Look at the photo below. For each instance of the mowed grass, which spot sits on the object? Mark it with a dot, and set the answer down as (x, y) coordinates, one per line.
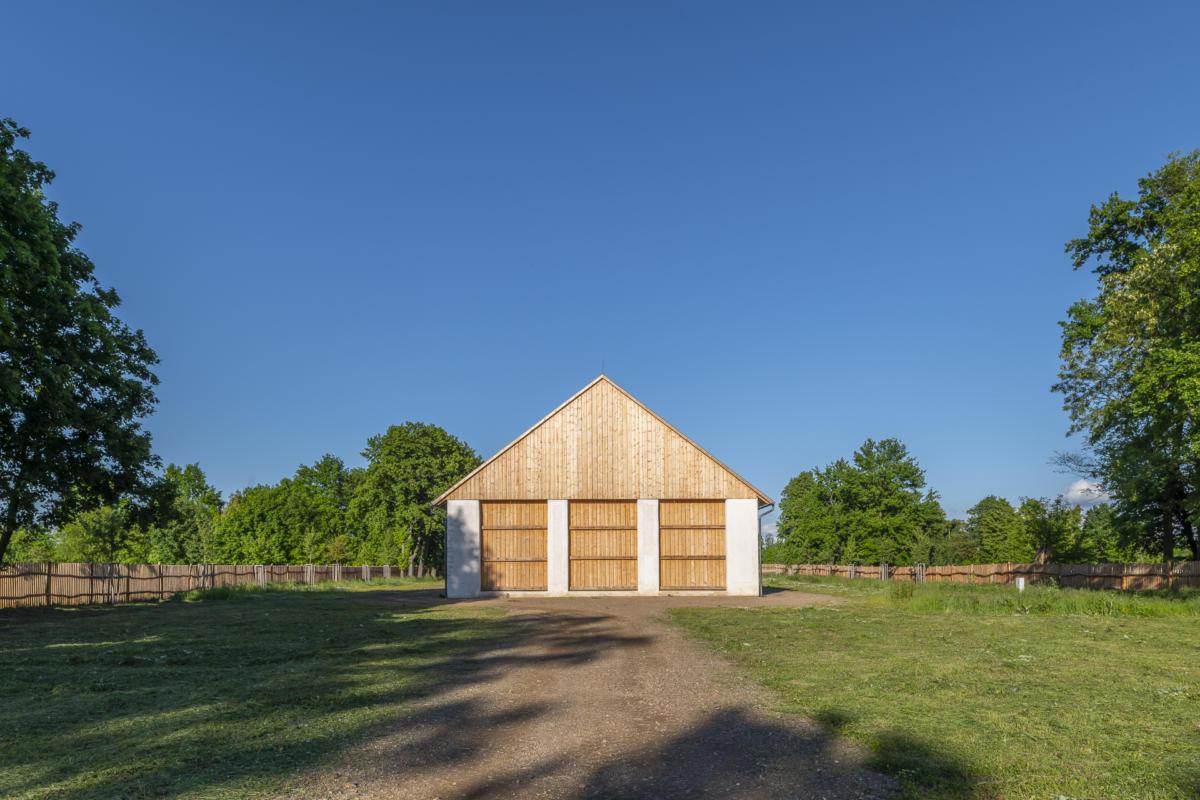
(231, 695)
(976, 692)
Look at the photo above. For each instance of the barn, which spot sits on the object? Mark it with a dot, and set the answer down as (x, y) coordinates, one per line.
(602, 496)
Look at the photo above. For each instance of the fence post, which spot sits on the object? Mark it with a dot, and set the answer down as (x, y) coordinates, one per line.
(387, 571)
(883, 571)
(49, 574)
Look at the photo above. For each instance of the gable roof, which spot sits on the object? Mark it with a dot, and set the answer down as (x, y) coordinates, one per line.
(602, 443)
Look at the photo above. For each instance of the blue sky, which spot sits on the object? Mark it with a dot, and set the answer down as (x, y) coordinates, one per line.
(784, 228)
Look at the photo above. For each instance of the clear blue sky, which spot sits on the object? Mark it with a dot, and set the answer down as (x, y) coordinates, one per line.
(786, 229)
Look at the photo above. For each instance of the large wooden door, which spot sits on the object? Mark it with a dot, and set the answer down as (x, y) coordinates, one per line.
(512, 539)
(603, 544)
(691, 544)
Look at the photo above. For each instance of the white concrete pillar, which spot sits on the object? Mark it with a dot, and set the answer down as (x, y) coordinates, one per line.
(558, 547)
(647, 538)
(742, 570)
(463, 563)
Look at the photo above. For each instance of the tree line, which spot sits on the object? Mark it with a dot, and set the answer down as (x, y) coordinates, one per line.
(325, 512)
(876, 508)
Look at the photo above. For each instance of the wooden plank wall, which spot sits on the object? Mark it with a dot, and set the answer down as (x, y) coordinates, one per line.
(1117, 577)
(75, 583)
(513, 546)
(602, 446)
(691, 544)
(603, 544)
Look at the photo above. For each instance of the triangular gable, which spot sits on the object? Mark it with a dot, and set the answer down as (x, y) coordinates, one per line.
(602, 444)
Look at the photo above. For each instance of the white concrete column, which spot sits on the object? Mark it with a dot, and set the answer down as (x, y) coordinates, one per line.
(647, 538)
(462, 548)
(742, 570)
(558, 547)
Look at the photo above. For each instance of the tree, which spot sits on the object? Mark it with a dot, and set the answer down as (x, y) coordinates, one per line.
(335, 535)
(871, 509)
(1130, 371)
(408, 467)
(1053, 527)
(181, 520)
(1001, 533)
(102, 535)
(960, 545)
(31, 545)
(808, 531)
(1106, 540)
(75, 381)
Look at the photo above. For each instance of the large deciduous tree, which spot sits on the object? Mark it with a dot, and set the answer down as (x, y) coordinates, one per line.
(1130, 372)
(75, 381)
(1000, 531)
(179, 525)
(408, 467)
(873, 508)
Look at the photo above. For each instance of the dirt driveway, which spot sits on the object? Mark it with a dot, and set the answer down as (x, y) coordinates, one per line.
(602, 700)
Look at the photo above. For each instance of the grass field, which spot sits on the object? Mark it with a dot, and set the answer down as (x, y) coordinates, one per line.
(975, 692)
(226, 696)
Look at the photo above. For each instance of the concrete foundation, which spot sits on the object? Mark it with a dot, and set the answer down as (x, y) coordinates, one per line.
(647, 539)
(462, 548)
(742, 570)
(558, 547)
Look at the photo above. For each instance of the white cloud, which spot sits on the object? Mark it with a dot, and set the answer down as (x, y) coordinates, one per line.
(1085, 493)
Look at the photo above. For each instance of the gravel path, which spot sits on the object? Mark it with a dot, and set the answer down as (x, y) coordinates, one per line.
(602, 700)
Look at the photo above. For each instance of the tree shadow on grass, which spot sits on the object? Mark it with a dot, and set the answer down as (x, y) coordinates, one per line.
(920, 769)
(232, 697)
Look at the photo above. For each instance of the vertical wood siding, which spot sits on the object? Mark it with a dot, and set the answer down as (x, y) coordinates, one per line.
(602, 445)
(603, 544)
(513, 546)
(691, 543)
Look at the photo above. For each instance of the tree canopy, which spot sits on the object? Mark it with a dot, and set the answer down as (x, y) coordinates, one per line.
(1130, 360)
(408, 467)
(75, 381)
(873, 508)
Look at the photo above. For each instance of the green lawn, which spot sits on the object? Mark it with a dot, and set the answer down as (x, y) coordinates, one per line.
(225, 697)
(972, 692)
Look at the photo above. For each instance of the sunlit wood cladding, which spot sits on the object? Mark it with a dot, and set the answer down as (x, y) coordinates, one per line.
(513, 546)
(602, 445)
(602, 545)
(691, 544)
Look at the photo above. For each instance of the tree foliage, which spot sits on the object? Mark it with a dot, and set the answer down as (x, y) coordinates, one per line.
(999, 531)
(75, 381)
(874, 508)
(1130, 371)
(408, 467)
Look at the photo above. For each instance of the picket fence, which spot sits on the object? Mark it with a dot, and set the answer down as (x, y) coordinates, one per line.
(1121, 577)
(51, 583)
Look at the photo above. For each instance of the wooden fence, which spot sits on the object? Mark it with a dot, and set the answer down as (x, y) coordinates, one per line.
(1122, 577)
(52, 583)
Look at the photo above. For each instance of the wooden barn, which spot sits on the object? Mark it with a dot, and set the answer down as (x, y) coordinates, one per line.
(602, 496)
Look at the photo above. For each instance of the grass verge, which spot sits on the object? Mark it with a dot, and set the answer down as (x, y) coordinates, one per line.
(963, 692)
(218, 699)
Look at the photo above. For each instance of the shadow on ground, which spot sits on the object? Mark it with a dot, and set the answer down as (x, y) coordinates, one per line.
(234, 696)
(241, 696)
